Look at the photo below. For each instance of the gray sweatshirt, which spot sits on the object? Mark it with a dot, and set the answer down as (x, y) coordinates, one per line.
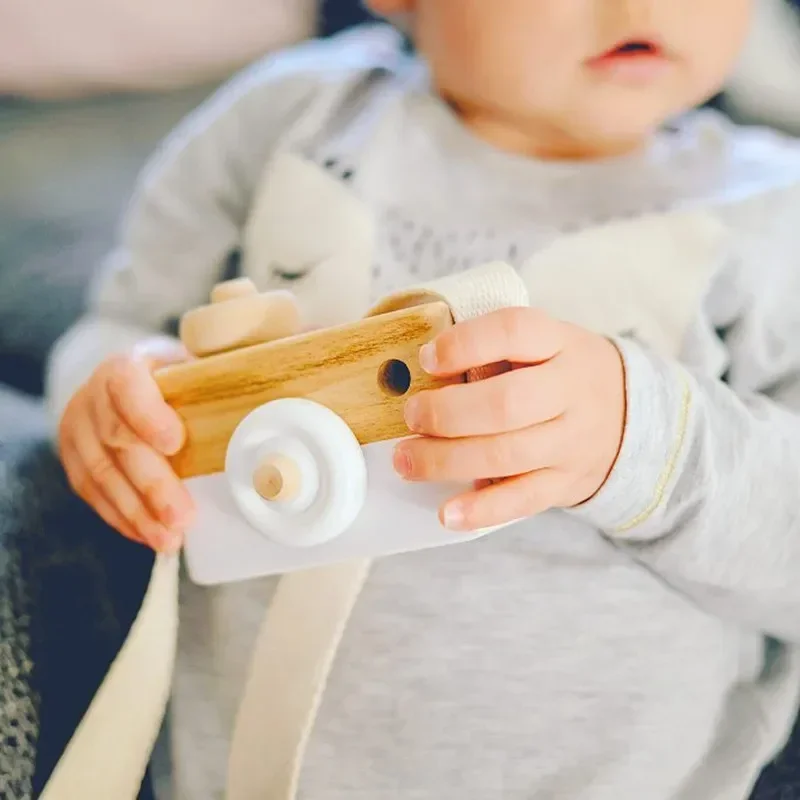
(646, 645)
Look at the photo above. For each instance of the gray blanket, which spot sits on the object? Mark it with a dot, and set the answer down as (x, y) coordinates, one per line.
(69, 592)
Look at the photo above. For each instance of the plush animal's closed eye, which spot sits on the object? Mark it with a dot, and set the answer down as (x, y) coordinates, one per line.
(290, 274)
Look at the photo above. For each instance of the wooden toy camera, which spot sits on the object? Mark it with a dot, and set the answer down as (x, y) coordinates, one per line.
(290, 436)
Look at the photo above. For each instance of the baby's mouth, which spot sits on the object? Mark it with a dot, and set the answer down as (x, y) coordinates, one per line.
(637, 48)
(631, 49)
(634, 62)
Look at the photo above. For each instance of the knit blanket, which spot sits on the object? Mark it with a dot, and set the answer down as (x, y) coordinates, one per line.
(69, 591)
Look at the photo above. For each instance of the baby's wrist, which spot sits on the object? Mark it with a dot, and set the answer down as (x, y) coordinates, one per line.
(659, 398)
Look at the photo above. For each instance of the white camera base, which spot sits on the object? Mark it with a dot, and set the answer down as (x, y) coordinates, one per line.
(350, 503)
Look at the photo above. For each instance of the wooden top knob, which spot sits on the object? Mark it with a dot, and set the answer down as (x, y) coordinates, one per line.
(239, 316)
(230, 290)
(277, 478)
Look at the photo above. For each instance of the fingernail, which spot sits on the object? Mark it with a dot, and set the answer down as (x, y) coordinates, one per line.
(170, 443)
(427, 357)
(411, 414)
(453, 516)
(402, 462)
(171, 437)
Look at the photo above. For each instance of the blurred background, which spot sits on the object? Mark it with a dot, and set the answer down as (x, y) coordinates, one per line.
(89, 87)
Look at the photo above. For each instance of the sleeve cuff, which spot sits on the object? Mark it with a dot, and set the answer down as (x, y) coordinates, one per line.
(659, 407)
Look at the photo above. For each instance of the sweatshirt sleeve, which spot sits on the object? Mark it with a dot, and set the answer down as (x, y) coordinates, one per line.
(192, 201)
(706, 491)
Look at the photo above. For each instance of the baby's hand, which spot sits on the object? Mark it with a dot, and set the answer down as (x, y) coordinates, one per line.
(543, 434)
(114, 438)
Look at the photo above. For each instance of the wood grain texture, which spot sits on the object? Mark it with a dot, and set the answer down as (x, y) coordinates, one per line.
(339, 367)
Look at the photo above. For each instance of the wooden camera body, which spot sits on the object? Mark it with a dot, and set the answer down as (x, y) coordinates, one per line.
(290, 435)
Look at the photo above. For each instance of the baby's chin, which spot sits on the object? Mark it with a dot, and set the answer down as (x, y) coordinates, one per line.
(618, 125)
(590, 123)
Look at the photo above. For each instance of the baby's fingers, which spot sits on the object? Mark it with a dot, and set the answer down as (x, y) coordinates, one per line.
(507, 402)
(162, 491)
(474, 458)
(111, 427)
(135, 399)
(98, 468)
(505, 501)
(90, 492)
(515, 335)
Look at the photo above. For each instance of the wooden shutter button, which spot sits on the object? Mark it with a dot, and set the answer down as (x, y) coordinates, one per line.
(278, 479)
(230, 290)
(239, 316)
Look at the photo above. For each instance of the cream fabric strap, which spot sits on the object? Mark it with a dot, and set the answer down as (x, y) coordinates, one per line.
(294, 652)
(295, 648)
(109, 752)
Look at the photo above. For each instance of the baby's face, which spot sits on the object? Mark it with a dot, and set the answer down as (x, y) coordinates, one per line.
(577, 75)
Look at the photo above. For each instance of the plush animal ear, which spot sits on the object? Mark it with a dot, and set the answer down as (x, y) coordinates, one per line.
(763, 88)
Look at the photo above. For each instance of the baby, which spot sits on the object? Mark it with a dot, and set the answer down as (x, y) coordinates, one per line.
(636, 634)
